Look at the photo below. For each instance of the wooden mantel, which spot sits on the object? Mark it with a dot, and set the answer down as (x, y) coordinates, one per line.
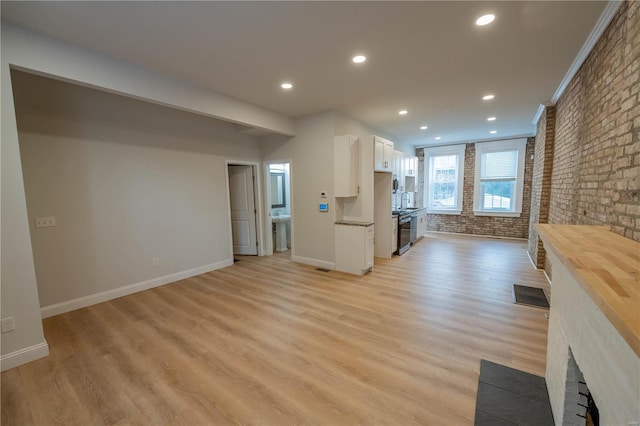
(607, 266)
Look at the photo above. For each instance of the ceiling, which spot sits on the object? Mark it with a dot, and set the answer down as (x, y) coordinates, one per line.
(427, 57)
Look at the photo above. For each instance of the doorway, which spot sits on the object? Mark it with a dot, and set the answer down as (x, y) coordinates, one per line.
(243, 206)
(279, 206)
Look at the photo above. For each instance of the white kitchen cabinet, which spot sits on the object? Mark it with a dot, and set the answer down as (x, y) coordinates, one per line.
(354, 247)
(383, 155)
(411, 166)
(422, 223)
(347, 166)
(394, 235)
(398, 164)
(398, 169)
(410, 173)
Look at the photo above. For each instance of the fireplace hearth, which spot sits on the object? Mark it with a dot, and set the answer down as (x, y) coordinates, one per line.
(593, 343)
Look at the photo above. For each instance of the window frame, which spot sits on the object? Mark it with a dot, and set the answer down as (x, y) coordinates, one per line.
(519, 145)
(439, 151)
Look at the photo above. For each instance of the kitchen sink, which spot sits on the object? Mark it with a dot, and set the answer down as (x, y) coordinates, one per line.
(281, 218)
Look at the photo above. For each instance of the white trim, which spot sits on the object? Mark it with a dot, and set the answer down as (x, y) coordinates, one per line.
(257, 203)
(531, 260)
(538, 114)
(83, 302)
(499, 237)
(473, 141)
(601, 25)
(496, 213)
(450, 212)
(541, 108)
(268, 242)
(24, 355)
(514, 144)
(547, 276)
(460, 151)
(313, 262)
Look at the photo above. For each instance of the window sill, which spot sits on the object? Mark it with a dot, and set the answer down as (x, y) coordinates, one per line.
(453, 212)
(497, 214)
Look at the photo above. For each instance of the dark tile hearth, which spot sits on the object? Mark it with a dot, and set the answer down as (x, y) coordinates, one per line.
(511, 397)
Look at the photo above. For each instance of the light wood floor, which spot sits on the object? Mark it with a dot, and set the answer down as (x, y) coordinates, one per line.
(271, 342)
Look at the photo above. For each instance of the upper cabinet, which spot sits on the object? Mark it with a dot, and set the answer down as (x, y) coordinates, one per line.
(347, 166)
(411, 166)
(398, 164)
(383, 155)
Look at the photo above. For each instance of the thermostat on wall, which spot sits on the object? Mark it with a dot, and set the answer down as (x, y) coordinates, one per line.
(323, 206)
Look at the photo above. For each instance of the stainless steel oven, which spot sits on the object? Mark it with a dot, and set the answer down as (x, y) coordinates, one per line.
(404, 233)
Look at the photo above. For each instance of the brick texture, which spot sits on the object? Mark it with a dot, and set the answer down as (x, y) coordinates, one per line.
(467, 222)
(595, 172)
(541, 183)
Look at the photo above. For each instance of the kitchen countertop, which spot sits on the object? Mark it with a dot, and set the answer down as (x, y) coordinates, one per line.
(407, 210)
(353, 223)
(607, 266)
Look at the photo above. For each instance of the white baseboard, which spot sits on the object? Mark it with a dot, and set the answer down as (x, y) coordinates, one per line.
(24, 355)
(531, 260)
(461, 234)
(314, 262)
(83, 302)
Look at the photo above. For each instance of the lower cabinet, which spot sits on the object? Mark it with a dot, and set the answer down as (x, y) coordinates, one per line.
(354, 248)
(422, 223)
(394, 234)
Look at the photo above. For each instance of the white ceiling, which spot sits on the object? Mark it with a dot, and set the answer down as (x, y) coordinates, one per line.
(427, 57)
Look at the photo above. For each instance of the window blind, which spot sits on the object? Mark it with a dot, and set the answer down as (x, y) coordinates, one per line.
(499, 165)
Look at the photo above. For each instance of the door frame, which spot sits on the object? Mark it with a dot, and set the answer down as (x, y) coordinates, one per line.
(257, 201)
(267, 205)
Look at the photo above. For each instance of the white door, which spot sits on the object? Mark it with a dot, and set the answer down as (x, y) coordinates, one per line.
(243, 213)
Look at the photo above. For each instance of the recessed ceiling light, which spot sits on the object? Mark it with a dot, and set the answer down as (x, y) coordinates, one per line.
(403, 112)
(359, 59)
(286, 86)
(438, 138)
(491, 119)
(485, 19)
(493, 132)
(423, 127)
(488, 97)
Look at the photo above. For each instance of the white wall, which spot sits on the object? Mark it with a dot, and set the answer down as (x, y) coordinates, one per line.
(311, 153)
(361, 207)
(29, 50)
(17, 275)
(127, 181)
(23, 49)
(312, 171)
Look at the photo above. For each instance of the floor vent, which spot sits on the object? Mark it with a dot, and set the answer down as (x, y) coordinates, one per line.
(530, 296)
(322, 270)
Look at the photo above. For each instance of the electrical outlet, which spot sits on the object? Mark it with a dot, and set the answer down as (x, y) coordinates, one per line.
(154, 262)
(45, 222)
(8, 324)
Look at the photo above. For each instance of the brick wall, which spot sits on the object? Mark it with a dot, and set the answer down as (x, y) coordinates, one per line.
(595, 176)
(467, 222)
(541, 182)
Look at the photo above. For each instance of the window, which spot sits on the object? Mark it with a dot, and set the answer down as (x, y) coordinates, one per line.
(444, 174)
(499, 178)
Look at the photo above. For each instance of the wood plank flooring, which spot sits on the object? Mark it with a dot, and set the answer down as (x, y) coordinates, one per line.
(270, 342)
